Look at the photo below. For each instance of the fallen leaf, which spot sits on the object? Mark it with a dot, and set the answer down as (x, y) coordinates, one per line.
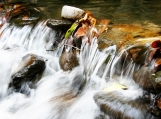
(156, 44)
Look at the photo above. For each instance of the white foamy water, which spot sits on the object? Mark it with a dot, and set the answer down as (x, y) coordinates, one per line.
(59, 94)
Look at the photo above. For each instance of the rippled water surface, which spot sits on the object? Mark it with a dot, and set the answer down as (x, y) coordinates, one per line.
(119, 11)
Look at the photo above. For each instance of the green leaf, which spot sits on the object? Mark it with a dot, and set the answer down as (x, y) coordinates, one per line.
(71, 30)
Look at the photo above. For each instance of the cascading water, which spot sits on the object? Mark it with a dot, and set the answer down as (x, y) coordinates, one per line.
(63, 94)
(57, 94)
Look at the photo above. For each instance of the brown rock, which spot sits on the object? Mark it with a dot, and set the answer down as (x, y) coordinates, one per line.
(117, 106)
(68, 60)
(125, 34)
(143, 78)
(156, 80)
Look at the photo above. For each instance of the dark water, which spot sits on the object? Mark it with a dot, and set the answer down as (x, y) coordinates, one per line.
(119, 11)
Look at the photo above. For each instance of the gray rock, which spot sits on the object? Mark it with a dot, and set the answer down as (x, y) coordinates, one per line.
(59, 24)
(143, 78)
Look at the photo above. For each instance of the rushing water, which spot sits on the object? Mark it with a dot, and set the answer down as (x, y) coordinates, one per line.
(55, 96)
(71, 94)
(58, 94)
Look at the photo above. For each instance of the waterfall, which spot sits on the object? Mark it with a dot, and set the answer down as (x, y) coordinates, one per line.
(60, 94)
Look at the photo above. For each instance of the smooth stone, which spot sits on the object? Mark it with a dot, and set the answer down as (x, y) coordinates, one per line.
(57, 24)
(70, 12)
(30, 67)
(68, 60)
(118, 106)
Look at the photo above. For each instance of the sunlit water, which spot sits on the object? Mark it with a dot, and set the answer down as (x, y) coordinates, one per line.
(58, 95)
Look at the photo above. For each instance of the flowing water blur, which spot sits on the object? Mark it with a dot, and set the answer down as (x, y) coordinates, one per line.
(58, 94)
(55, 95)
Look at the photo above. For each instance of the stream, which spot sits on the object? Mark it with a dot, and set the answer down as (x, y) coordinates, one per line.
(80, 93)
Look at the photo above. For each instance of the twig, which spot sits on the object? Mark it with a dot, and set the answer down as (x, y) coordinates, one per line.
(64, 45)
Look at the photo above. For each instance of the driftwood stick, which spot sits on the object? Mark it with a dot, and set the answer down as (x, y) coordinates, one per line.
(64, 45)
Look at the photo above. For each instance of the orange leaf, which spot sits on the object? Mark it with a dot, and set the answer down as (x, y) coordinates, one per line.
(80, 32)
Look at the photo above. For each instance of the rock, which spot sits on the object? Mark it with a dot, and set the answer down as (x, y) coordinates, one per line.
(117, 106)
(138, 54)
(156, 80)
(28, 70)
(155, 107)
(68, 60)
(127, 34)
(102, 25)
(143, 78)
(70, 12)
(19, 14)
(59, 24)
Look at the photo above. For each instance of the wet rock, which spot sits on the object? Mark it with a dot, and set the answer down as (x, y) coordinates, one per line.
(19, 14)
(138, 54)
(156, 80)
(102, 25)
(118, 106)
(155, 107)
(127, 34)
(68, 60)
(57, 24)
(29, 69)
(70, 12)
(25, 21)
(143, 78)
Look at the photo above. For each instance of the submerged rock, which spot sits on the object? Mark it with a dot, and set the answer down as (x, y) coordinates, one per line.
(125, 34)
(117, 106)
(28, 70)
(19, 14)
